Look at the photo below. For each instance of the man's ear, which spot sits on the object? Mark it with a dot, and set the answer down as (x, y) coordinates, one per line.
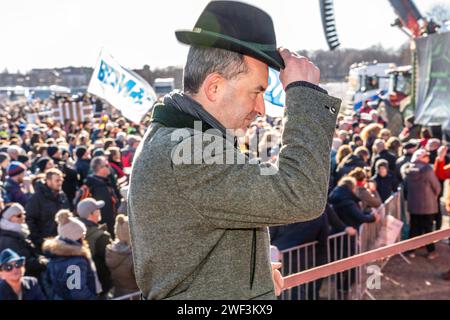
(212, 86)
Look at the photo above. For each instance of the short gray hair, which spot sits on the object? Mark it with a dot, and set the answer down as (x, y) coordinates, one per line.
(202, 61)
(97, 163)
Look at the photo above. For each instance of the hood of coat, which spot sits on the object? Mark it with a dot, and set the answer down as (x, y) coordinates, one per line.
(416, 171)
(342, 196)
(66, 248)
(118, 252)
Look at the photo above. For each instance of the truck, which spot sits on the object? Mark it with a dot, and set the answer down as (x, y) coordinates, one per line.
(367, 81)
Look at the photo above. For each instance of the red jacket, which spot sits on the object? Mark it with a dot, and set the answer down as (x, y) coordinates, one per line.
(443, 173)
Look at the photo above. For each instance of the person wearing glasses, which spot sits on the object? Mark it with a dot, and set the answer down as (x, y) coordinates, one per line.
(14, 285)
(14, 235)
(102, 188)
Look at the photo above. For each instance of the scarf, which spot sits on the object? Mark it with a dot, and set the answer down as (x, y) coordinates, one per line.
(189, 106)
(21, 229)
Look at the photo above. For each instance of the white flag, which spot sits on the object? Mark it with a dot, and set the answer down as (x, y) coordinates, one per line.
(122, 88)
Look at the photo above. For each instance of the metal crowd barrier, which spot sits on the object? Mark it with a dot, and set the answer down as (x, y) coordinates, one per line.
(343, 285)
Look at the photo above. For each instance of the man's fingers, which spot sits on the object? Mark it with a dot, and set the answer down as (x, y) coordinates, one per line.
(276, 265)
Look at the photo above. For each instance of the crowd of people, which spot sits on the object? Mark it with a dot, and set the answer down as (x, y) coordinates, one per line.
(64, 227)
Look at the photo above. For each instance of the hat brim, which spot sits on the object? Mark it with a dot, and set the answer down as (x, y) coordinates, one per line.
(270, 56)
(100, 204)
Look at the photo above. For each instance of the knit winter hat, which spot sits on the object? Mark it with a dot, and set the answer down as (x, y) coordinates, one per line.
(15, 168)
(80, 152)
(13, 210)
(418, 155)
(42, 163)
(69, 227)
(52, 150)
(121, 228)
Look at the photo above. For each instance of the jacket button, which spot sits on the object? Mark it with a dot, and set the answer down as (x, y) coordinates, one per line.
(332, 109)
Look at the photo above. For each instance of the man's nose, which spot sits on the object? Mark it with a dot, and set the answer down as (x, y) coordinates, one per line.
(261, 107)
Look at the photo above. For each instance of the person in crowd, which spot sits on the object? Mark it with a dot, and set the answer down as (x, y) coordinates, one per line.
(408, 150)
(380, 152)
(386, 182)
(422, 189)
(83, 163)
(97, 237)
(4, 163)
(69, 253)
(44, 164)
(369, 198)
(384, 135)
(119, 259)
(70, 182)
(44, 204)
(358, 159)
(18, 187)
(14, 235)
(14, 285)
(101, 188)
(129, 151)
(370, 133)
(425, 135)
(115, 162)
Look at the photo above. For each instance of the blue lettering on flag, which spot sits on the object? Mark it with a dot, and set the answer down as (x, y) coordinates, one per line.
(275, 93)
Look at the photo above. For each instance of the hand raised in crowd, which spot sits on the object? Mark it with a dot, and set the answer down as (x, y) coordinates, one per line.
(298, 68)
(442, 153)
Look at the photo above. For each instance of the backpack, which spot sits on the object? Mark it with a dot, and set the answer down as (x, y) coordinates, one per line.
(82, 193)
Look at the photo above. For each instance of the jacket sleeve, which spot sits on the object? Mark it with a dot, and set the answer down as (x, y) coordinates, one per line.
(434, 182)
(247, 196)
(441, 170)
(32, 218)
(370, 199)
(333, 219)
(359, 216)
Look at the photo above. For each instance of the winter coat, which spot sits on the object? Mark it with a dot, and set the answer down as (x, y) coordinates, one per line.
(348, 164)
(34, 263)
(31, 290)
(103, 189)
(119, 260)
(345, 203)
(98, 238)
(69, 259)
(422, 189)
(41, 210)
(368, 199)
(12, 192)
(386, 186)
(200, 231)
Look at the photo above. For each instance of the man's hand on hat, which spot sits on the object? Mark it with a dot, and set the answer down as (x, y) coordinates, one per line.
(298, 68)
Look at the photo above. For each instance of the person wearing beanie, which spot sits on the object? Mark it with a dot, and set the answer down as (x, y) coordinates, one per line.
(43, 206)
(119, 259)
(97, 237)
(14, 285)
(53, 152)
(422, 189)
(67, 252)
(387, 184)
(44, 164)
(14, 234)
(17, 188)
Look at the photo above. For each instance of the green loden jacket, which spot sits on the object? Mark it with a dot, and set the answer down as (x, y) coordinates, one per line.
(199, 231)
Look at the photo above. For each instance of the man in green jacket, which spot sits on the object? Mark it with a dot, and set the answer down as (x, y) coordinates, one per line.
(198, 210)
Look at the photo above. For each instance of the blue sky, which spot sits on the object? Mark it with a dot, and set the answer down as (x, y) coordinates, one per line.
(58, 33)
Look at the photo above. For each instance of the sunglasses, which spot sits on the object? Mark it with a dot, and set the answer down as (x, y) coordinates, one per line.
(15, 264)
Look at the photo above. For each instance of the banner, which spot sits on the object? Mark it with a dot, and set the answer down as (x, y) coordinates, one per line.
(275, 97)
(433, 85)
(122, 88)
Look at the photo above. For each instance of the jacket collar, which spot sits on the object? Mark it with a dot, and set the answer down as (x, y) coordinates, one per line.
(169, 116)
